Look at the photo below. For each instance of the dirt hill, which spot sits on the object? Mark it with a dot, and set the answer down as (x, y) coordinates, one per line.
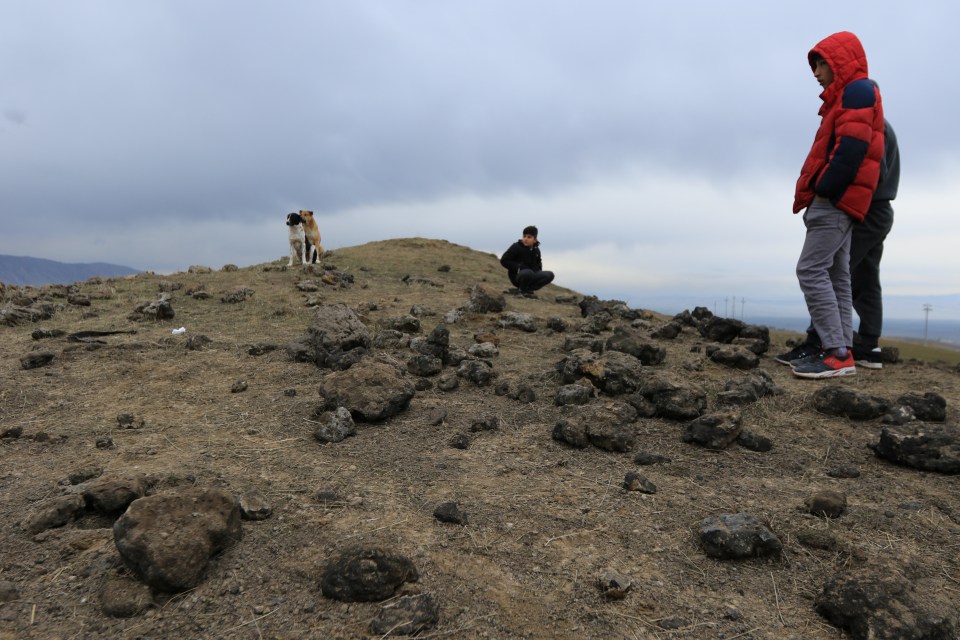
(553, 545)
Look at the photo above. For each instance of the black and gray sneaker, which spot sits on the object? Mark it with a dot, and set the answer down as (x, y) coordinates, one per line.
(867, 357)
(805, 350)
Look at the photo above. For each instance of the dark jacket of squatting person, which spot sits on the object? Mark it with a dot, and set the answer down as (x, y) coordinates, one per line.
(519, 256)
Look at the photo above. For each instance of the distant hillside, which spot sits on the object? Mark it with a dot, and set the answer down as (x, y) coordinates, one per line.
(24, 270)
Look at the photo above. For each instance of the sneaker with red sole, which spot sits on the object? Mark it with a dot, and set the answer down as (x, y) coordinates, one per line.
(826, 366)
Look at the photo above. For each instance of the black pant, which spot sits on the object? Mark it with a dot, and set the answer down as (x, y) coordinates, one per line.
(866, 250)
(530, 280)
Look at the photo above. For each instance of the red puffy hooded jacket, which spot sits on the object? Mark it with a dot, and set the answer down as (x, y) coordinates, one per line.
(844, 163)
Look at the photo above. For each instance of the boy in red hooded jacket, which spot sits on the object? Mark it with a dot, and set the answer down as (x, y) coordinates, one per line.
(835, 187)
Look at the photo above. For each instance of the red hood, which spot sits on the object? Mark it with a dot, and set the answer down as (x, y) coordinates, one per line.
(847, 59)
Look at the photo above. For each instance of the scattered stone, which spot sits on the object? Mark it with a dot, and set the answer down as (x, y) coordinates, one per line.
(672, 623)
(758, 385)
(436, 417)
(261, 348)
(515, 320)
(335, 332)
(674, 401)
(668, 331)
(168, 539)
(646, 352)
(488, 423)
(754, 442)
(483, 350)
(237, 296)
(239, 386)
(477, 371)
(366, 575)
(646, 458)
(36, 359)
(112, 495)
(423, 365)
(406, 615)
(734, 357)
(931, 407)
(405, 324)
(843, 401)
(104, 442)
(576, 394)
(817, 539)
(40, 334)
(844, 471)
(129, 421)
(556, 324)
(636, 482)
(583, 341)
(827, 504)
(882, 604)
(928, 447)
(614, 372)
(254, 505)
(486, 299)
(198, 342)
(737, 536)
(420, 311)
(124, 598)
(607, 427)
(12, 433)
(723, 330)
(450, 512)
(613, 585)
(335, 426)
(448, 381)
(82, 475)
(371, 391)
(199, 269)
(460, 441)
(54, 512)
(714, 431)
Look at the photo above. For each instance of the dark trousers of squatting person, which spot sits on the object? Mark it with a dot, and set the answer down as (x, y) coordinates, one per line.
(823, 272)
(866, 251)
(530, 280)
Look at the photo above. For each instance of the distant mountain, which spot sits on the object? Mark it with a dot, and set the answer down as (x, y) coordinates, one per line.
(24, 270)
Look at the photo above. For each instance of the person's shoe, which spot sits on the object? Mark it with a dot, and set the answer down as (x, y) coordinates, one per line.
(528, 294)
(798, 353)
(868, 358)
(826, 365)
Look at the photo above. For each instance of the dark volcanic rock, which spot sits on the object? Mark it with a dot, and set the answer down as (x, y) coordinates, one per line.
(929, 447)
(366, 574)
(881, 604)
(168, 539)
(738, 535)
(840, 400)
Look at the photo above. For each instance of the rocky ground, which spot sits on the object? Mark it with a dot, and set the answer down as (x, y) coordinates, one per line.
(389, 444)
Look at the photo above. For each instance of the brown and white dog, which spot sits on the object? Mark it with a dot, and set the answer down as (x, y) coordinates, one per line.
(295, 235)
(312, 235)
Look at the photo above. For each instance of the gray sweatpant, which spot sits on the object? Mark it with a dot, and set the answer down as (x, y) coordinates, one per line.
(823, 271)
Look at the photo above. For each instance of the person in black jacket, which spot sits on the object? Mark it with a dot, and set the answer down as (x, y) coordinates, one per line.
(524, 264)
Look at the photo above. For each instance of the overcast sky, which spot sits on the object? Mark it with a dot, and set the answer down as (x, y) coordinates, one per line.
(656, 145)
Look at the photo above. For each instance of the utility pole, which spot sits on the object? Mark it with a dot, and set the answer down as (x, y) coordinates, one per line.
(733, 308)
(743, 301)
(927, 308)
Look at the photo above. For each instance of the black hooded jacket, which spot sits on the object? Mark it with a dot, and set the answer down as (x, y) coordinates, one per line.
(519, 257)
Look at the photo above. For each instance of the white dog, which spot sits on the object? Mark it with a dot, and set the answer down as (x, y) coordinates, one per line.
(295, 231)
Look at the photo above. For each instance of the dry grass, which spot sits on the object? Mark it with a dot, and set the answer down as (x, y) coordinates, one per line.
(544, 518)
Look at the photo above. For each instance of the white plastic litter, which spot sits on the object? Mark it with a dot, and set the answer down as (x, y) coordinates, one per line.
(179, 331)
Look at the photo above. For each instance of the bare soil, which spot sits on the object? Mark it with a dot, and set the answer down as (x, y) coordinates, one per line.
(544, 519)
